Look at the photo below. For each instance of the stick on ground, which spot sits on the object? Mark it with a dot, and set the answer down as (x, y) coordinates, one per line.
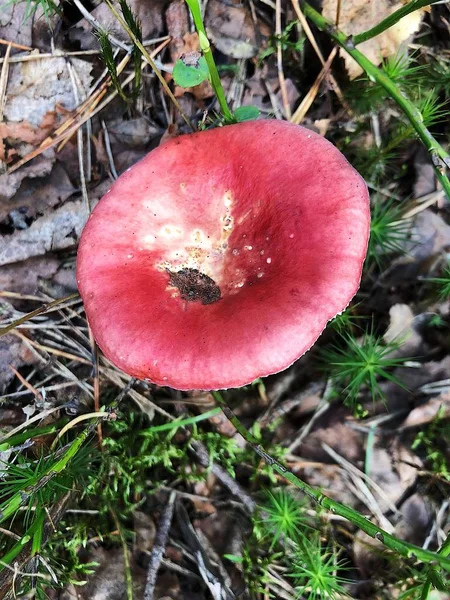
(159, 547)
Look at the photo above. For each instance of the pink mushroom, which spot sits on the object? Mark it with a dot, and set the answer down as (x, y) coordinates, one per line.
(221, 256)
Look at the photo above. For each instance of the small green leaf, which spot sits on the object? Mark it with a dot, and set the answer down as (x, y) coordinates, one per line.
(234, 558)
(246, 113)
(190, 70)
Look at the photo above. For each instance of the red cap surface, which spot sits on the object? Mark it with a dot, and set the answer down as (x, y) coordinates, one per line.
(221, 256)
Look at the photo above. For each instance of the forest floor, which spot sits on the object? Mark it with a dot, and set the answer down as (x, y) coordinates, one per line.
(161, 497)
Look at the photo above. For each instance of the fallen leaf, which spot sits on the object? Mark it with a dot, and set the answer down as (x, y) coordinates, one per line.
(384, 473)
(10, 183)
(53, 231)
(145, 531)
(425, 181)
(108, 581)
(344, 440)
(332, 480)
(232, 30)
(357, 16)
(38, 94)
(429, 236)
(177, 21)
(36, 88)
(23, 277)
(134, 133)
(13, 352)
(401, 329)
(13, 26)
(425, 413)
(36, 194)
(291, 92)
(414, 521)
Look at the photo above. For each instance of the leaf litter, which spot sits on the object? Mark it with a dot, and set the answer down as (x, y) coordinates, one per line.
(41, 216)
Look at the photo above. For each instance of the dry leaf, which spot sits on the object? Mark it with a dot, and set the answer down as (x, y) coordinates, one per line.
(24, 277)
(357, 16)
(177, 20)
(232, 30)
(37, 194)
(13, 26)
(37, 87)
(415, 520)
(429, 236)
(425, 413)
(37, 92)
(401, 329)
(10, 183)
(54, 231)
(12, 352)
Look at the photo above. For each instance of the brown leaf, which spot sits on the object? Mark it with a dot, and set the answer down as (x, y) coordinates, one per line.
(339, 436)
(425, 413)
(232, 30)
(177, 20)
(10, 183)
(37, 87)
(357, 16)
(429, 236)
(401, 329)
(415, 520)
(53, 231)
(23, 277)
(36, 195)
(38, 93)
(13, 352)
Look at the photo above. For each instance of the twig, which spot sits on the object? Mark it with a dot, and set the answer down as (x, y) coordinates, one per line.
(27, 384)
(307, 101)
(309, 34)
(80, 141)
(14, 45)
(4, 80)
(59, 53)
(224, 477)
(96, 383)
(39, 311)
(159, 547)
(403, 548)
(112, 166)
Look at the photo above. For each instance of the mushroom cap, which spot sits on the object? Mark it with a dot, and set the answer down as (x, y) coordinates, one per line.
(221, 256)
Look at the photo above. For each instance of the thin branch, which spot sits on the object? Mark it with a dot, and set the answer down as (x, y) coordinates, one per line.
(39, 311)
(159, 547)
(403, 548)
